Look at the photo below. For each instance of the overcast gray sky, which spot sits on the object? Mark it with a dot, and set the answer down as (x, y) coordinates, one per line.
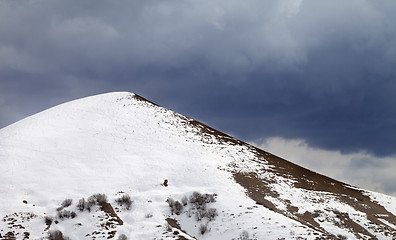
(320, 73)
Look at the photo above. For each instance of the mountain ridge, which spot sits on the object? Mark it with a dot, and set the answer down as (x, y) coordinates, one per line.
(135, 145)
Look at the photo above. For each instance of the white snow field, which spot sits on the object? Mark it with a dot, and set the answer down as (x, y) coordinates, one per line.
(119, 144)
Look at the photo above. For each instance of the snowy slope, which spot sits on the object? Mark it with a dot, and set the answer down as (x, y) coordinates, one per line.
(119, 143)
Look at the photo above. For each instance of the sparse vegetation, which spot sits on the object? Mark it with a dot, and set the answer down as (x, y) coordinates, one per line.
(95, 199)
(189, 212)
(198, 216)
(244, 235)
(64, 204)
(125, 200)
(211, 214)
(90, 203)
(203, 229)
(81, 204)
(67, 202)
(341, 237)
(148, 215)
(48, 220)
(98, 198)
(175, 206)
(63, 214)
(56, 235)
(122, 237)
(66, 214)
(178, 207)
(198, 207)
(199, 200)
(184, 201)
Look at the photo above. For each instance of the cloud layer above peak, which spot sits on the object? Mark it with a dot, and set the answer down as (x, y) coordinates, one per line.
(322, 71)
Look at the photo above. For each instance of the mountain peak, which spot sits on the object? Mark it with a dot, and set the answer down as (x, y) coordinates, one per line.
(147, 172)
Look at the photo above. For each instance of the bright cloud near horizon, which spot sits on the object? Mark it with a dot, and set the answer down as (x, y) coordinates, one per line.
(268, 72)
(359, 169)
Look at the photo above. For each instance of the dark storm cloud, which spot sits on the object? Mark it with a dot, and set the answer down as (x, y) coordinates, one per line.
(318, 70)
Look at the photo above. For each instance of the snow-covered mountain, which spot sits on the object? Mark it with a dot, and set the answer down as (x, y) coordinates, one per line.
(118, 166)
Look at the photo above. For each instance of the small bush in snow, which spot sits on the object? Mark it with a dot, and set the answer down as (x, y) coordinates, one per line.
(199, 200)
(178, 207)
(189, 212)
(91, 201)
(341, 237)
(201, 213)
(95, 199)
(66, 202)
(66, 214)
(175, 206)
(211, 213)
(81, 204)
(125, 200)
(171, 203)
(244, 235)
(198, 215)
(99, 198)
(48, 220)
(184, 201)
(196, 199)
(203, 229)
(148, 215)
(122, 237)
(210, 198)
(56, 235)
(63, 214)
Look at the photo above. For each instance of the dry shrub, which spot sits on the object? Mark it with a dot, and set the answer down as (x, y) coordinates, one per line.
(125, 200)
(67, 202)
(203, 229)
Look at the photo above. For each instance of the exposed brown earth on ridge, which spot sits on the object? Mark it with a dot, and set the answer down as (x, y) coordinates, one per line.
(257, 188)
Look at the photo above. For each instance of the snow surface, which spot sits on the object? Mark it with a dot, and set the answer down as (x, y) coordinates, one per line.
(113, 143)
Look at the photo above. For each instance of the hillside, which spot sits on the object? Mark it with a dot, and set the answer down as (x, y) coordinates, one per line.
(146, 172)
